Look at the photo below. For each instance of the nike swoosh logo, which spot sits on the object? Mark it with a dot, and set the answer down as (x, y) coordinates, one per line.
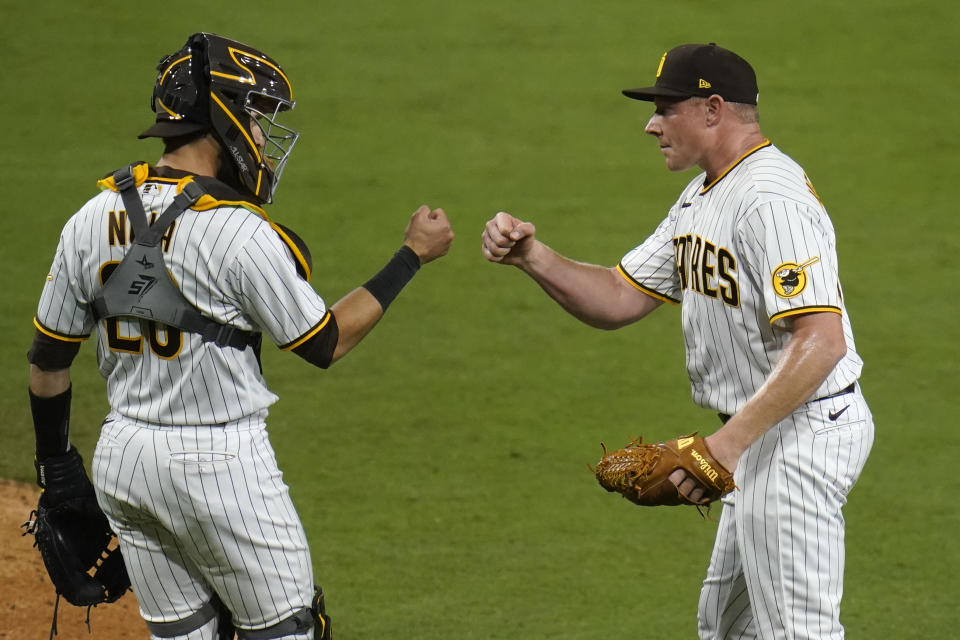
(833, 415)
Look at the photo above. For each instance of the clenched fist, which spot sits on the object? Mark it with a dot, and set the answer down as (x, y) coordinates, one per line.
(428, 233)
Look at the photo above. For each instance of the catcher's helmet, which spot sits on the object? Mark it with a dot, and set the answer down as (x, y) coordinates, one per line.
(234, 91)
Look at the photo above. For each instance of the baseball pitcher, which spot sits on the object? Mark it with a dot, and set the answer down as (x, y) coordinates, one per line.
(748, 253)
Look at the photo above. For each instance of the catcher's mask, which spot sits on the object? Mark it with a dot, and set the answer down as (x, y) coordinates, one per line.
(234, 91)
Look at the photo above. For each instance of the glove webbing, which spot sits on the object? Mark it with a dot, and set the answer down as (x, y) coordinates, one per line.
(30, 527)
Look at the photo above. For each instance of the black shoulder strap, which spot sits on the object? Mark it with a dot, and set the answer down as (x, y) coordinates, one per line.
(126, 185)
(141, 286)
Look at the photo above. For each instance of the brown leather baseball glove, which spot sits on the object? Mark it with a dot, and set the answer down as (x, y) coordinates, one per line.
(641, 472)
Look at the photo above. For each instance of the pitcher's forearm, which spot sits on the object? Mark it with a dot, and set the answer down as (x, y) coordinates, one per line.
(598, 296)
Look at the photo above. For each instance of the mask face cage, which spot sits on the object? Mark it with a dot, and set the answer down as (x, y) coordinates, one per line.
(275, 141)
(248, 90)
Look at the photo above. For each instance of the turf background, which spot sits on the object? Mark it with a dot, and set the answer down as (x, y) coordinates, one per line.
(441, 468)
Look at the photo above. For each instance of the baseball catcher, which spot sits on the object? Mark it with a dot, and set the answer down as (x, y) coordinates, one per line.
(73, 535)
(641, 472)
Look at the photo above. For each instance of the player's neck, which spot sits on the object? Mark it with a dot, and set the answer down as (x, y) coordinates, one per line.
(200, 157)
(730, 147)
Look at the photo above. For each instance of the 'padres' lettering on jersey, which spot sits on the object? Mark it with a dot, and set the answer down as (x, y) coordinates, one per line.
(743, 255)
(706, 268)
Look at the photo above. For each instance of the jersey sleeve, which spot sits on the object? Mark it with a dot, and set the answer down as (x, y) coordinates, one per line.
(271, 292)
(63, 313)
(791, 253)
(652, 266)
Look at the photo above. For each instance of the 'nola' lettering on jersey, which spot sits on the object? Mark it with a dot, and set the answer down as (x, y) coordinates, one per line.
(706, 268)
(118, 233)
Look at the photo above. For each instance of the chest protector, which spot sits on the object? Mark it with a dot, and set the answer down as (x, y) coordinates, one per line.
(142, 287)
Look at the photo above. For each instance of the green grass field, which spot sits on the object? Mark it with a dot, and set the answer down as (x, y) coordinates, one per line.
(441, 469)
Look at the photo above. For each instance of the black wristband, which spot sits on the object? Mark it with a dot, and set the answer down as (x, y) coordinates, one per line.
(51, 423)
(394, 276)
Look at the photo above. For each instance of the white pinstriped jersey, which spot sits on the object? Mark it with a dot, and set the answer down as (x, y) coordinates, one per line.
(230, 264)
(744, 254)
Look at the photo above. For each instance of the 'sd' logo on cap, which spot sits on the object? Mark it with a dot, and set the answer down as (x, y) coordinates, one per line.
(660, 67)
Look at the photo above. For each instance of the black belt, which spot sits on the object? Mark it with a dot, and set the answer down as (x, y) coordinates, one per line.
(853, 385)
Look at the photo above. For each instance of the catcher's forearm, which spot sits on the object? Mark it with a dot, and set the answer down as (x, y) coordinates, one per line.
(46, 384)
(815, 348)
(357, 313)
(361, 309)
(50, 407)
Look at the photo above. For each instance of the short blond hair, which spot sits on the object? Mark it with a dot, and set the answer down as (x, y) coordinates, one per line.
(746, 113)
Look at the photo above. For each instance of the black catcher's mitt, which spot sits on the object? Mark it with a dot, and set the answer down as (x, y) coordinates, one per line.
(74, 536)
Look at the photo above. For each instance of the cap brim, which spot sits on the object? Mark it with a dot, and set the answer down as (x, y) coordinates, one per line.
(173, 129)
(649, 93)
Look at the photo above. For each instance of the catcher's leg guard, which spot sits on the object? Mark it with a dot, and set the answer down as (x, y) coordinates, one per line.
(321, 627)
(196, 620)
(315, 617)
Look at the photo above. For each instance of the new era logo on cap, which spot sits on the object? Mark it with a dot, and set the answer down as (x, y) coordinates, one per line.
(701, 70)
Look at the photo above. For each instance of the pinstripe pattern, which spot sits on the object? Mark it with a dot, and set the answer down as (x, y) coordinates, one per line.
(780, 543)
(230, 264)
(743, 255)
(183, 468)
(202, 508)
(764, 215)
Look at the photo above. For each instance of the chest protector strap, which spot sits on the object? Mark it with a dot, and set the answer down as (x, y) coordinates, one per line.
(142, 287)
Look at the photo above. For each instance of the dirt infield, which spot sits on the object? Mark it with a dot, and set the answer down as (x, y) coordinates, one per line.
(27, 597)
